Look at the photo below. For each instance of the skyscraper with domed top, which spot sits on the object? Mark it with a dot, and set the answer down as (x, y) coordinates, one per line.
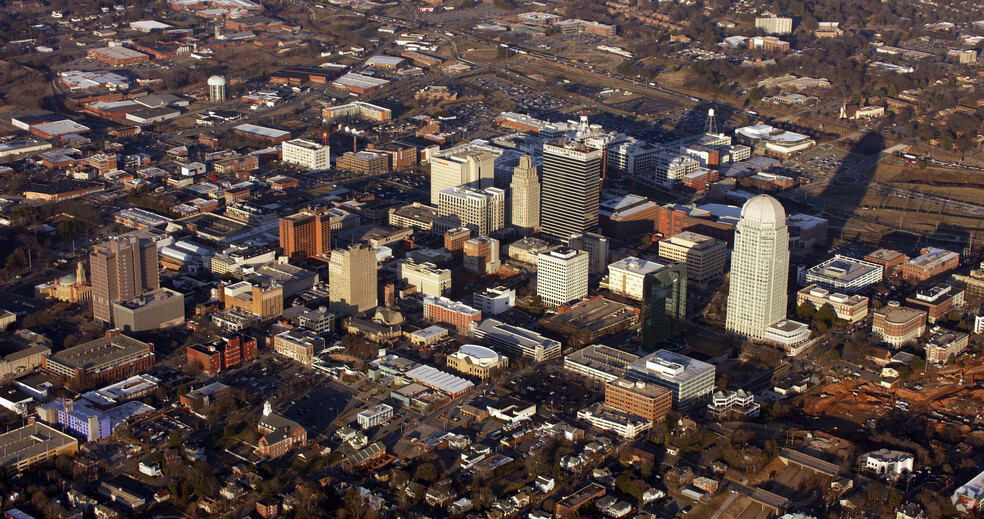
(759, 268)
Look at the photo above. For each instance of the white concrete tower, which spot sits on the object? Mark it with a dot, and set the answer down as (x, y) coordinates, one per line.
(759, 268)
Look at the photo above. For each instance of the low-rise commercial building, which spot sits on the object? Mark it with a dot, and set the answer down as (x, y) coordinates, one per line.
(428, 279)
(494, 300)
(608, 418)
(690, 380)
(375, 415)
(945, 344)
(844, 274)
(299, 344)
(890, 260)
(851, 308)
(732, 404)
(363, 162)
(637, 397)
(889, 463)
(791, 335)
(937, 301)
(930, 262)
(517, 341)
(897, 325)
(225, 353)
(205, 395)
(154, 310)
(444, 310)
(415, 215)
(436, 379)
(102, 361)
(33, 443)
(512, 409)
(599, 362)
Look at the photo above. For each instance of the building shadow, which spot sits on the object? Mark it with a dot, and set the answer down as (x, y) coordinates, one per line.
(848, 185)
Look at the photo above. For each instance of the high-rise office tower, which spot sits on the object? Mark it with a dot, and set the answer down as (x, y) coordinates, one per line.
(121, 268)
(571, 188)
(471, 165)
(306, 233)
(481, 210)
(759, 268)
(524, 192)
(352, 279)
(664, 303)
(562, 276)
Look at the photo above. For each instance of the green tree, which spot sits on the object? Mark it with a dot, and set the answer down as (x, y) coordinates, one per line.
(894, 500)
(425, 472)
(826, 313)
(806, 310)
(174, 439)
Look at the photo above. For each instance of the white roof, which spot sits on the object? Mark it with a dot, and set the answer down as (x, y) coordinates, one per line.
(149, 25)
(384, 60)
(439, 380)
(60, 127)
(430, 331)
(636, 265)
(360, 81)
(480, 354)
(261, 130)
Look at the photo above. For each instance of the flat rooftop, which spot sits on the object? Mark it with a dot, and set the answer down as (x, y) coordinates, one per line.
(843, 269)
(636, 266)
(99, 352)
(602, 358)
(31, 441)
(666, 365)
(595, 315)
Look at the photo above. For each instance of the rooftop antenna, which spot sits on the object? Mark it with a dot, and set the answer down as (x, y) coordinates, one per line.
(710, 127)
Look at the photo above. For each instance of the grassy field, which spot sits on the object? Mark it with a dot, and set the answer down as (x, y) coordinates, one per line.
(966, 186)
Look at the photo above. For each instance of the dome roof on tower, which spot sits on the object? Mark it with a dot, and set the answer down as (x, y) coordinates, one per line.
(764, 209)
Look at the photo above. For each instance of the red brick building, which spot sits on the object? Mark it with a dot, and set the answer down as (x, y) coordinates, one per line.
(280, 435)
(639, 398)
(225, 353)
(444, 310)
(627, 216)
(574, 502)
(282, 183)
(401, 158)
(675, 218)
(931, 262)
(268, 507)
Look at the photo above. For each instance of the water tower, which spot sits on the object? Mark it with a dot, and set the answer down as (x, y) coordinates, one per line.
(216, 89)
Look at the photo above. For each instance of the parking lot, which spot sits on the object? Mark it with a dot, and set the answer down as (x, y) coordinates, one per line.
(554, 391)
(829, 162)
